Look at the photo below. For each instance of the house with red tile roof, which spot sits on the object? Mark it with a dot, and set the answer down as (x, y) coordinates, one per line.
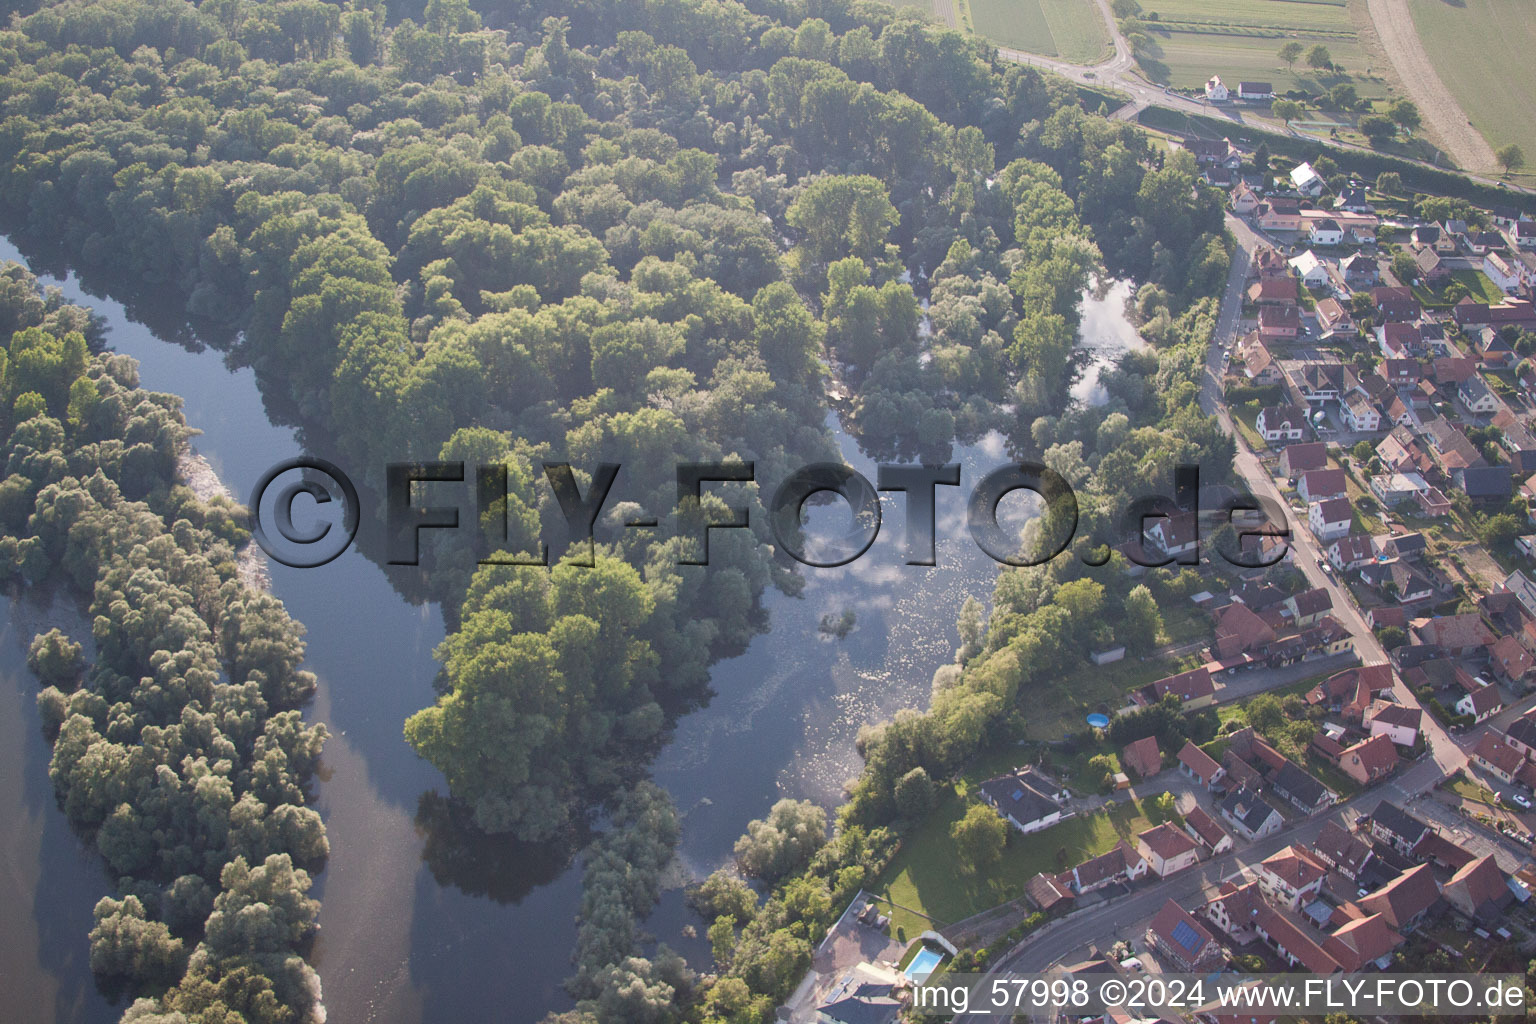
(1207, 831)
(1291, 877)
(1292, 941)
(1301, 458)
(1370, 760)
(1181, 940)
(1407, 900)
(1458, 635)
(1120, 864)
(1142, 757)
(1511, 662)
(1195, 689)
(1482, 703)
(1398, 723)
(1365, 941)
(1197, 764)
(1167, 849)
(1496, 757)
(1479, 891)
(1239, 630)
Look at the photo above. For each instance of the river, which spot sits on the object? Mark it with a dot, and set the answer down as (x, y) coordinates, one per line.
(419, 923)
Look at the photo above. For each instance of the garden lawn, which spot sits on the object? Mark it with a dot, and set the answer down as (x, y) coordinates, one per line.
(924, 876)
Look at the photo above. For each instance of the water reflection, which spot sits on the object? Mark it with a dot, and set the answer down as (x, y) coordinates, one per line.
(1106, 335)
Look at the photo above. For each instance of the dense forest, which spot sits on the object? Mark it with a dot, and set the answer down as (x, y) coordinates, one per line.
(645, 233)
(179, 750)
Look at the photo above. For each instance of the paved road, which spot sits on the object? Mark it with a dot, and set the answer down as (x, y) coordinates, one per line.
(1119, 72)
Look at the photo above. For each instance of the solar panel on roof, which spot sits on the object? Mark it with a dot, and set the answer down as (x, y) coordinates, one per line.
(1186, 936)
(1018, 794)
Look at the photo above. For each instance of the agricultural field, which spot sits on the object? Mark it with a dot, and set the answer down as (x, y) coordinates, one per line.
(1070, 29)
(1482, 52)
(1239, 40)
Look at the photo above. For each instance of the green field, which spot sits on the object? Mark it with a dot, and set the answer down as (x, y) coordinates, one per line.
(924, 876)
(1070, 29)
(1482, 50)
(1239, 39)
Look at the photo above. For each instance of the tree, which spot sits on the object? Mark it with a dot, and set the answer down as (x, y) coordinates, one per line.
(1377, 129)
(1389, 183)
(1511, 158)
(55, 659)
(1392, 637)
(1261, 158)
(1498, 531)
(1405, 113)
(1290, 53)
(1143, 621)
(784, 841)
(1319, 59)
(1265, 713)
(1286, 110)
(914, 795)
(1344, 96)
(1404, 268)
(126, 944)
(979, 837)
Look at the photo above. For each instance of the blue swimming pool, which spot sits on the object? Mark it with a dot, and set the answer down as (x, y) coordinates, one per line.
(923, 964)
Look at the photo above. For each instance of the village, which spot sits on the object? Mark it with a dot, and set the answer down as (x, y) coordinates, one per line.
(1341, 777)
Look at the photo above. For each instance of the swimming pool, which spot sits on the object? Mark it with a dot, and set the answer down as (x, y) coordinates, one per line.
(923, 964)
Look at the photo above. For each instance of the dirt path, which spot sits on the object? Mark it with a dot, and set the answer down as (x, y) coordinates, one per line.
(1464, 144)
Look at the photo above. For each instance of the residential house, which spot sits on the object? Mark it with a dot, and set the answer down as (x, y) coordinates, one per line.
(1279, 323)
(1326, 232)
(1181, 941)
(1360, 271)
(1207, 831)
(1239, 631)
(1400, 373)
(1309, 267)
(1407, 900)
(865, 994)
(1255, 91)
(1431, 268)
(1398, 340)
(1281, 423)
(1333, 320)
(1215, 91)
(1399, 452)
(1195, 688)
(1451, 446)
(1360, 414)
(1330, 519)
(1396, 722)
(1025, 799)
(1309, 606)
(1342, 687)
(1521, 735)
(1197, 764)
(1525, 234)
(1322, 484)
(1244, 199)
(1394, 305)
(1259, 365)
(1291, 877)
(1142, 757)
(1279, 214)
(1484, 483)
(1405, 544)
(1521, 585)
(1274, 291)
(1370, 760)
(1502, 272)
(1396, 488)
(1481, 243)
(1494, 755)
(1395, 827)
(1291, 942)
(1250, 815)
(1305, 793)
(1351, 552)
(1362, 942)
(1431, 236)
(1481, 703)
(1341, 851)
(1307, 181)
(1479, 891)
(1355, 199)
(1509, 313)
(1476, 397)
(1314, 383)
(1121, 864)
(1300, 458)
(1167, 849)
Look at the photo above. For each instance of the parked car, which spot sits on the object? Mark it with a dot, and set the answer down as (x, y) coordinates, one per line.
(1521, 799)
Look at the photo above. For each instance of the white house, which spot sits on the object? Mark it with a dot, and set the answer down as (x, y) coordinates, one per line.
(1396, 488)
(1398, 723)
(1215, 90)
(1310, 268)
(1502, 272)
(1330, 519)
(1255, 91)
(1351, 552)
(1477, 397)
(1167, 850)
(1308, 182)
(1281, 423)
(1326, 231)
(1481, 703)
(1026, 799)
(1360, 413)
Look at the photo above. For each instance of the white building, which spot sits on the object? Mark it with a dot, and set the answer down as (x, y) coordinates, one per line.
(1330, 519)
(1215, 90)
(1310, 268)
(1502, 272)
(1326, 231)
(1305, 180)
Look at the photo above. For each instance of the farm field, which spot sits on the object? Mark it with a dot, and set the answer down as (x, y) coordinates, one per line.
(1482, 52)
(1070, 29)
(1238, 40)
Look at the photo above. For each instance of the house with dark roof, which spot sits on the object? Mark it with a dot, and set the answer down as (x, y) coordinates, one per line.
(1407, 900)
(1301, 458)
(1026, 800)
(1496, 757)
(1481, 703)
(1340, 850)
(1394, 721)
(1394, 304)
(1120, 864)
(1250, 815)
(1281, 423)
(1309, 606)
(1279, 322)
(1181, 940)
(1395, 827)
(1484, 484)
(865, 994)
(1292, 782)
(1521, 734)
(1048, 892)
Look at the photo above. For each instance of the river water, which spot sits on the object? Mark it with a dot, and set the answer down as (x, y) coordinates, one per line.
(418, 922)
